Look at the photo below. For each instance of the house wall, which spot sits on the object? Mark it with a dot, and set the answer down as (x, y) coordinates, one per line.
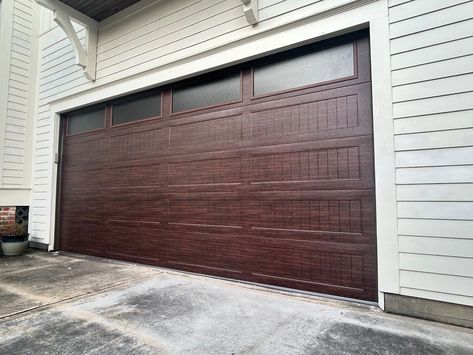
(18, 52)
(424, 47)
(432, 77)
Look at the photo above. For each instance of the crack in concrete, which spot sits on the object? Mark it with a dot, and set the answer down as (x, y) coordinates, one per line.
(48, 301)
(38, 267)
(142, 335)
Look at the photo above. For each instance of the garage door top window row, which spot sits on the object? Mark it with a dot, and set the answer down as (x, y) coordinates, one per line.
(313, 67)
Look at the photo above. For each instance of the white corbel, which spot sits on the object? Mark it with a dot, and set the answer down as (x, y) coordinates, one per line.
(250, 9)
(86, 56)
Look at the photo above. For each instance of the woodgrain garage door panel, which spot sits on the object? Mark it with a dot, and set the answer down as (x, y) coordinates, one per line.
(328, 114)
(276, 189)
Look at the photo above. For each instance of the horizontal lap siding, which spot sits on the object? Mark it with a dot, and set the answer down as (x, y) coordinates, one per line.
(18, 96)
(41, 175)
(162, 34)
(185, 28)
(57, 73)
(432, 75)
(54, 50)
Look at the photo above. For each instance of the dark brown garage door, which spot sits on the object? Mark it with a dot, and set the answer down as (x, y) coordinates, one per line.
(261, 173)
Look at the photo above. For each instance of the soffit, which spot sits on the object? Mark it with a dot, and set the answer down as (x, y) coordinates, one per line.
(99, 10)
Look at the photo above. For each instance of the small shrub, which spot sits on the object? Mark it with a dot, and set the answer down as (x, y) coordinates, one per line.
(12, 229)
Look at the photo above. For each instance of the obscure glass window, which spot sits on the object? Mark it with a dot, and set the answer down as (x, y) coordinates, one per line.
(209, 93)
(136, 107)
(86, 119)
(311, 68)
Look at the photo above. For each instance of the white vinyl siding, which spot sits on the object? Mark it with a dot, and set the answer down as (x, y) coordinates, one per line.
(432, 76)
(42, 173)
(440, 228)
(19, 95)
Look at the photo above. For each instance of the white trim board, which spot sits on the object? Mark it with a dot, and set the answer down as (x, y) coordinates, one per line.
(372, 14)
(384, 158)
(6, 27)
(32, 97)
(15, 196)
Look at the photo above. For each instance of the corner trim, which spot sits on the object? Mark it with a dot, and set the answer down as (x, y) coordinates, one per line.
(6, 27)
(384, 158)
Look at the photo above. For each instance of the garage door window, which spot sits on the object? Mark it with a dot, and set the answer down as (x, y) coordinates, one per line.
(307, 69)
(86, 120)
(210, 93)
(136, 107)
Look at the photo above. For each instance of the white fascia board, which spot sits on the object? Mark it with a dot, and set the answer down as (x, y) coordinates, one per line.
(86, 57)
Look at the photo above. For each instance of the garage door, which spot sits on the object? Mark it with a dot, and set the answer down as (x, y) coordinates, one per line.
(263, 172)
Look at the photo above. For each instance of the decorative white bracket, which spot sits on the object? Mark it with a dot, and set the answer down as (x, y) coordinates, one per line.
(250, 9)
(86, 56)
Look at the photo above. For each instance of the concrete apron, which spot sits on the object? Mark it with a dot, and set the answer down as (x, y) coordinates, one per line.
(57, 304)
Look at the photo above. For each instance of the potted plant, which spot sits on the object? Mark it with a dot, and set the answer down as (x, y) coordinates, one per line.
(14, 238)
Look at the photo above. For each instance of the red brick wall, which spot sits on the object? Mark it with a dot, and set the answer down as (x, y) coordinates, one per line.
(7, 214)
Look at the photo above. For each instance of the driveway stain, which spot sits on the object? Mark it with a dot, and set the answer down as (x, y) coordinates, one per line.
(147, 310)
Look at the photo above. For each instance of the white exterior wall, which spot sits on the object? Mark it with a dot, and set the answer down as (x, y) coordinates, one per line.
(424, 47)
(432, 76)
(18, 52)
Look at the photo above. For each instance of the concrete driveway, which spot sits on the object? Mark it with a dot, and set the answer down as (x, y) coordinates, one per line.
(59, 304)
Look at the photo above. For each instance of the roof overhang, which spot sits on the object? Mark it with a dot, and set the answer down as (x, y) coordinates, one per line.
(99, 10)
